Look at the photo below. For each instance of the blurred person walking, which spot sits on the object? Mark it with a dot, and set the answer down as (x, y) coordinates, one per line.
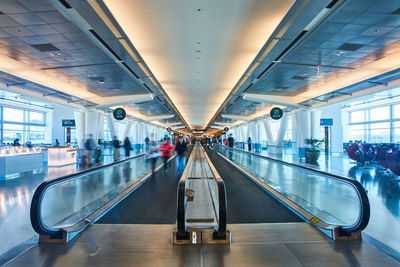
(180, 149)
(249, 142)
(116, 146)
(166, 150)
(230, 140)
(153, 154)
(90, 147)
(127, 147)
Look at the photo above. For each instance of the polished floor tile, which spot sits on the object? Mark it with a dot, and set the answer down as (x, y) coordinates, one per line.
(255, 245)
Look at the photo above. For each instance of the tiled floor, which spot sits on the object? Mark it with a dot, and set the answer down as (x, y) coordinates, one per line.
(283, 244)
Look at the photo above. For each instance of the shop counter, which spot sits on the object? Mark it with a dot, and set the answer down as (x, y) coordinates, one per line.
(61, 156)
(16, 163)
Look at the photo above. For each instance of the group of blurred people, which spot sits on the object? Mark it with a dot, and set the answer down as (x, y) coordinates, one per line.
(153, 150)
(165, 150)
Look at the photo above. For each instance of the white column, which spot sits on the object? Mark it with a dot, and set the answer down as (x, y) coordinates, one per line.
(111, 125)
(79, 124)
(127, 129)
(303, 128)
(268, 132)
(101, 126)
(243, 133)
(92, 124)
(282, 130)
(315, 124)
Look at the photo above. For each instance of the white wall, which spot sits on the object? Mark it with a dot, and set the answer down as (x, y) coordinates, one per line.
(60, 112)
(334, 112)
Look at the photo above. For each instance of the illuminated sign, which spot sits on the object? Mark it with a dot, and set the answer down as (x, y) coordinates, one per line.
(119, 114)
(68, 123)
(276, 113)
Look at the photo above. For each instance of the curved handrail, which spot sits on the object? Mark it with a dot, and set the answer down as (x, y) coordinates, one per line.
(365, 211)
(35, 210)
(220, 232)
(222, 207)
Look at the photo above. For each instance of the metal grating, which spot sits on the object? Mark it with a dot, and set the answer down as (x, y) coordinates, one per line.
(45, 47)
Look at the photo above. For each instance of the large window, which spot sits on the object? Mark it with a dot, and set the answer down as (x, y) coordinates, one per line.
(397, 132)
(25, 125)
(375, 125)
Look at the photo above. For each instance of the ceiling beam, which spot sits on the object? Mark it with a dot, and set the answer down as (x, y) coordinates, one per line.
(120, 100)
(223, 123)
(159, 117)
(236, 117)
(288, 101)
(173, 123)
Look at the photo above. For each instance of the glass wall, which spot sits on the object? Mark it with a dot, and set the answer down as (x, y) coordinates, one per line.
(375, 125)
(26, 125)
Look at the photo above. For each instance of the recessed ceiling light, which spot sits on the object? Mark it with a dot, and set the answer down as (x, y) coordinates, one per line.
(56, 54)
(101, 81)
(199, 9)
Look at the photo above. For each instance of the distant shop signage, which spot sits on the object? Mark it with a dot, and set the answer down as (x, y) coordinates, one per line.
(68, 123)
(276, 113)
(119, 114)
(226, 129)
(169, 129)
(326, 122)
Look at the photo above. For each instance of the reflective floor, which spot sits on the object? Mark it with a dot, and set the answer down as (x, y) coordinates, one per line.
(282, 244)
(15, 199)
(383, 188)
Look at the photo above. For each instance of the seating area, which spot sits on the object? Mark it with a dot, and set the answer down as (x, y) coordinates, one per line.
(386, 155)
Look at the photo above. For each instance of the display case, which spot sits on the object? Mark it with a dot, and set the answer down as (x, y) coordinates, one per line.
(14, 160)
(61, 156)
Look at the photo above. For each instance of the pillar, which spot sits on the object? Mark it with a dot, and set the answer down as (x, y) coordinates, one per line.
(282, 130)
(268, 132)
(111, 125)
(79, 124)
(128, 127)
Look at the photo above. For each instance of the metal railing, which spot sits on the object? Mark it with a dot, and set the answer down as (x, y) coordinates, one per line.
(65, 231)
(182, 198)
(336, 231)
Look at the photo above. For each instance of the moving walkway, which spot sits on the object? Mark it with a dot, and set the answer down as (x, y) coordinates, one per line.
(266, 204)
(337, 206)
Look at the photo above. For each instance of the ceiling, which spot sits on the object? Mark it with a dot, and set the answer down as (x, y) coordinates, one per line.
(44, 50)
(356, 43)
(199, 58)
(198, 49)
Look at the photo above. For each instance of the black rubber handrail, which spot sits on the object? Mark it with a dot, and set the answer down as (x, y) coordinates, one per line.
(365, 210)
(35, 210)
(220, 232)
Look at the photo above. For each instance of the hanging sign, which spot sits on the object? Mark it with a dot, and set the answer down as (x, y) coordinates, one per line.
(119, 114)
(326, 122)
(226, 129)
(68, 123)
(276, 113)
(169, 129)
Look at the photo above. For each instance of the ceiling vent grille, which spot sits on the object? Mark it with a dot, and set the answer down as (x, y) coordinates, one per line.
(298, 77)
(65, 4)
(350, 47)
(148, 88)
(45, 47)
(1, 13)
(332, 3)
